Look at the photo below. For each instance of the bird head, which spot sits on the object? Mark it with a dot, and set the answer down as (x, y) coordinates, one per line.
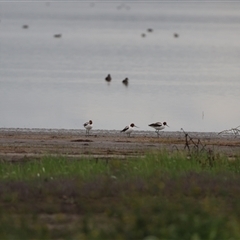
(133, 125)
(165, 124)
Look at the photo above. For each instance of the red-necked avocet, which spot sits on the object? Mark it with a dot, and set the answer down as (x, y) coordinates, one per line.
(158, 126)
(88, 125)
(129, 129)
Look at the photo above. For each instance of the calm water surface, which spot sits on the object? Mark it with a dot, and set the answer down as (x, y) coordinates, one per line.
(192, 82)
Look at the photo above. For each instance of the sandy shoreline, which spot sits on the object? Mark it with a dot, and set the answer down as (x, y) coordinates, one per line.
(19, 144)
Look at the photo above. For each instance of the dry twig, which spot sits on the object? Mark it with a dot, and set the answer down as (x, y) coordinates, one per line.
(198, 146)
(195, 147)
(234, 131)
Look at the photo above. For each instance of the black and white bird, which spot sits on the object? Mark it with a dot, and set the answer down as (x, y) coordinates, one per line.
(88, 125)
(129, 129)
(158, 126)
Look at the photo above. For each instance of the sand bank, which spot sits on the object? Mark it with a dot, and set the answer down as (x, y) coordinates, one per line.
(25, 144)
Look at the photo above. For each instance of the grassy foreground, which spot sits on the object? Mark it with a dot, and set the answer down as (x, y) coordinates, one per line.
(157, 196)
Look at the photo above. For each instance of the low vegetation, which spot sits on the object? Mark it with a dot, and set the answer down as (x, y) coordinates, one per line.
(182, 195)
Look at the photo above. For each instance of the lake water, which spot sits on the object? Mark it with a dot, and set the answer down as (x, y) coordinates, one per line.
(191, 81)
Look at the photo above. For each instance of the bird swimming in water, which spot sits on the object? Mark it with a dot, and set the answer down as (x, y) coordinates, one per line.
(108, 78)
(158, 126)
(125, 81)
(88, 125)
(129, 129)
(58, 35)
(176, 35)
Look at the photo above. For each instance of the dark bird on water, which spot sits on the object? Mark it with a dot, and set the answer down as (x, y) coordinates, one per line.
(58, 35)
(176, 35)
(125, 81)
(108, 78)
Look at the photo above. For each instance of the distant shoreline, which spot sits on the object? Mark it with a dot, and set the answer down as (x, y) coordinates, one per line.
(110, 131)
(20, 144)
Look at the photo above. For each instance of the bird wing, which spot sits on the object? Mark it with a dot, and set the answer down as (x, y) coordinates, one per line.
(85, 124)
(156, 124)
(125, 129)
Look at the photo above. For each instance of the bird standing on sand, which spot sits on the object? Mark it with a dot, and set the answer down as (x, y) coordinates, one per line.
(129, 129)
(158, 126)
(108, 78)
(88, 125)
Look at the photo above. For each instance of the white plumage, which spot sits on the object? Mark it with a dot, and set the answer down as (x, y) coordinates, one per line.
(88, 125)
(129, 129)
(158, 126)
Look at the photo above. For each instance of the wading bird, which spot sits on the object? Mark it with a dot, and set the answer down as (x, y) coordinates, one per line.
(88, 125)
(158, 126)
(129, 129)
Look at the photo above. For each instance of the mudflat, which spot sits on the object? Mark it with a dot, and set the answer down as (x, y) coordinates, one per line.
(26, 144)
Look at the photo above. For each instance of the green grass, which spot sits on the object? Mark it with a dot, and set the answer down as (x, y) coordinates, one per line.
(52, 167)
(157, 196)
(175, 164)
